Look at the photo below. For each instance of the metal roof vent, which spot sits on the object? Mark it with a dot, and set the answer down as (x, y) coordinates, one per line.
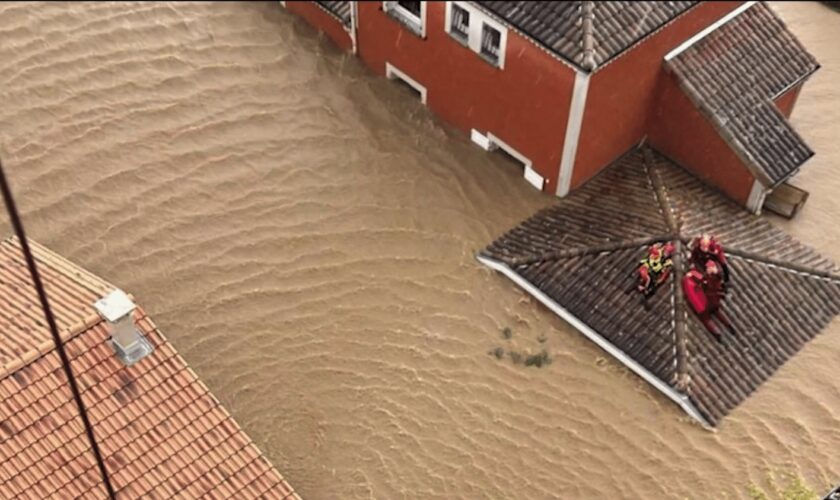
(129, 344)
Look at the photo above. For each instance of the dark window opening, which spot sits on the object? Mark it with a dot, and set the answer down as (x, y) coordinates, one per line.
(406, 88)
(412, 7)
(460, 27)
(408, 13)
(491, 40)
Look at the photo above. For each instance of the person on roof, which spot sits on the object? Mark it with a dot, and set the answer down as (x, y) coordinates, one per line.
(705, 293)
(706, 248)
(655, 268)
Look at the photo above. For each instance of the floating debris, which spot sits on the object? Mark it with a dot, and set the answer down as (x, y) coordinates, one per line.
(507, 333)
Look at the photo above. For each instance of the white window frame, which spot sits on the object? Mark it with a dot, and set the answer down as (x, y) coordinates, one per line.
(412, 22)
(531, 175)
(477, 21)
(394, 73)
(448, 22)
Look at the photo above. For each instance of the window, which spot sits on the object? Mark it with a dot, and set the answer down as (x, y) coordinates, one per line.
(476, 31)
(491, 40)
(411, 14)
(460, 24)
(412, 7)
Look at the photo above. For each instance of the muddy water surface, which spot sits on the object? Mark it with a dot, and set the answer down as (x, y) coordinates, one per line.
(304, 234)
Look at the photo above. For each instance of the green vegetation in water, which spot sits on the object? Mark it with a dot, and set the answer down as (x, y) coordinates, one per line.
(794, 488)
(538, 359)
(507, 333)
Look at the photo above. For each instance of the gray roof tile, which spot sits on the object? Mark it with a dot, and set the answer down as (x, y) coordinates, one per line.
(341, 10)
(559, 25)
(582, 253)
(733, 74)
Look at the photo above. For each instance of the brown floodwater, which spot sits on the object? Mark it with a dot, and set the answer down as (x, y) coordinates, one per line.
(304, 233)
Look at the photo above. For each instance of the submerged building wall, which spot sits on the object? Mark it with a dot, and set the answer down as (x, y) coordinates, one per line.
(524, 104)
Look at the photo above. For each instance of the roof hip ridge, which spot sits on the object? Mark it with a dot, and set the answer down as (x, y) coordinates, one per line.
(588, 36)
(27, 358)
(788, 266)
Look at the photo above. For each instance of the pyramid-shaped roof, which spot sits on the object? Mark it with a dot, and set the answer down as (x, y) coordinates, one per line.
(579, 257)
(587, 34)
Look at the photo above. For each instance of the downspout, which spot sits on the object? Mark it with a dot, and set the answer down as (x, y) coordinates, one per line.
(578, 104)
(354, 25)
(758, 193)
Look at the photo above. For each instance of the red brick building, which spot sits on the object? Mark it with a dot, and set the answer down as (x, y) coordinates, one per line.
(569, 87)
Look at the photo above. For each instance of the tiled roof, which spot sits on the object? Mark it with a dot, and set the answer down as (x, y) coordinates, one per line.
(733, 74)
(159, 428)
(341, 10)
(580, 255)
(560, 27)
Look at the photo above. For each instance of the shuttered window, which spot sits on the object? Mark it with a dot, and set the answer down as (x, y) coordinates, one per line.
(491, 40)
(460, 27)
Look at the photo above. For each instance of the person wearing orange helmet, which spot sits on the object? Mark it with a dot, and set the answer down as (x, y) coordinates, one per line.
(655, 269)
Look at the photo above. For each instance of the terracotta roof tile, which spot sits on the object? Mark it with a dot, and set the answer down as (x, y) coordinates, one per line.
(558, 26)
(161, 431)
(734, 73)
(782, 294)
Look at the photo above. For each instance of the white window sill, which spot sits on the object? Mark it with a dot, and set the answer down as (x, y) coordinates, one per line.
(414, 24)
(493, 61)
(462, 39)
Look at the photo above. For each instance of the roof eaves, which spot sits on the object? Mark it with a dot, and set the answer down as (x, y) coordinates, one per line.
(799, 81)
(331, 13)
(708, 29)
(683, 400)
(540, 45)
(644, 38)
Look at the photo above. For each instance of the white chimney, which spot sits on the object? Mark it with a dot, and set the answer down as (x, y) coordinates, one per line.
(129, 344)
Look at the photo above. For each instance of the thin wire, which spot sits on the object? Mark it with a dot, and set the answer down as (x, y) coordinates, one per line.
(14, 217)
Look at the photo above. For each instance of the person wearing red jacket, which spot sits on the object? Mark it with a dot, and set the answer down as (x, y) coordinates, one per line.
(705, 293)
(706, 248)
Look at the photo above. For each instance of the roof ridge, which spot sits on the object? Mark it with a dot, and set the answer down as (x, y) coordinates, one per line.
(47, 346)
(788, 266)
(588, 36)
(682, 379)
(587, 250)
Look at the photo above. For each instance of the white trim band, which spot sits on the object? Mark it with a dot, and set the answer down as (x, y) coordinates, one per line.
(756, 200)
(573, 126)
(393, 73)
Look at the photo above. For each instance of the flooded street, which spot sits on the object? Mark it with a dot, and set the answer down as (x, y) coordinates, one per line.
(304, 233)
